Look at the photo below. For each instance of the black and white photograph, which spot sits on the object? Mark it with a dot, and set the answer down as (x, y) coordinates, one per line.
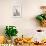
(17, 10)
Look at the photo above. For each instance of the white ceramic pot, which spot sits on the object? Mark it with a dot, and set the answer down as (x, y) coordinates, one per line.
(9, 41)
(13, 38)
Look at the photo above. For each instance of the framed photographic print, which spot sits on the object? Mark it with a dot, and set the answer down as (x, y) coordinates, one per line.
(16, 6)
(17, 11)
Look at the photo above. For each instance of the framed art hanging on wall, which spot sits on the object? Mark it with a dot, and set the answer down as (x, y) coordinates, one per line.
(17, 11)
(16, 8)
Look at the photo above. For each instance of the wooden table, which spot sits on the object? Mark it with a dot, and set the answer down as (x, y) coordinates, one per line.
(25, 44)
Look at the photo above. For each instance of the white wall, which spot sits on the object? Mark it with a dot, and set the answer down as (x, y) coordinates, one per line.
(26, 23)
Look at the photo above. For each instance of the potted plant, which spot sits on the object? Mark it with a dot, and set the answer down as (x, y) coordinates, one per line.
(10, 31)
(42, 17)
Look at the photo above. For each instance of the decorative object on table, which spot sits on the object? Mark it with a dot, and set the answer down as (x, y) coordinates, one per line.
(42, 17)
(10, 31)
(37, 43)
(39, 30)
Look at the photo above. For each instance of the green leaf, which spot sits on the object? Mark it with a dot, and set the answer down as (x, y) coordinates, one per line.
(10, 31)
(40, 18)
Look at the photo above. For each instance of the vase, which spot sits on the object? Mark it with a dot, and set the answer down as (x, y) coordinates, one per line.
(13, 38)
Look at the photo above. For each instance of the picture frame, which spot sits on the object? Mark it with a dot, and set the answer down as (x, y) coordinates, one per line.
(17, 11)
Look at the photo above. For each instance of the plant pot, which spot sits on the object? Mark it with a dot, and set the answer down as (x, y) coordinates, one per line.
(13, 38)
(43, 23)
(9, 41)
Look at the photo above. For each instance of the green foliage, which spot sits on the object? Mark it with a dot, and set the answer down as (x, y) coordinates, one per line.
(41, 17)
(11, 31)
(45, 16)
